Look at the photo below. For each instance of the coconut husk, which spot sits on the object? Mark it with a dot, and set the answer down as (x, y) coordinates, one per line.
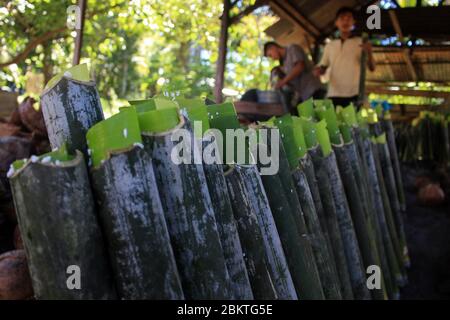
(15, 282)
(18, 244)
(15, 118)
(6, 228)
(431, 195)
(11, 149)
(8, 129)
(32, 119)
(40, 144)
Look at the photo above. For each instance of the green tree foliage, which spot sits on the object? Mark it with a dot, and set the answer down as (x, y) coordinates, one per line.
(136, 48)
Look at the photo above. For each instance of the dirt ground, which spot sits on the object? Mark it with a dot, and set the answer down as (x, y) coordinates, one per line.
(428, 236)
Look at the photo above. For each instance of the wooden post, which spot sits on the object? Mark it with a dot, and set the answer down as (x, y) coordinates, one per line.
(221, 60)
(79, 38)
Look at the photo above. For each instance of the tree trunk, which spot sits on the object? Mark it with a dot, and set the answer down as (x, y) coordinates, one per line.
(222, 58)
(48, 63)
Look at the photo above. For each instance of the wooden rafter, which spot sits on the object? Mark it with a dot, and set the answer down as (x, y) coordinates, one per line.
(248, 10)
(79, 38)
(412, 93)
(406, 52)
(376, 82)
(304, 23)
(226, 21)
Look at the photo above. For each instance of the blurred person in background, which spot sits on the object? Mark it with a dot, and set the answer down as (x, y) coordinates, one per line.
(297, 70)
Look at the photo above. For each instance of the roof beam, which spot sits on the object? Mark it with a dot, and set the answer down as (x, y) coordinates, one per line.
(248, 10)
(286, 8)
(411, 93)
(406, 52)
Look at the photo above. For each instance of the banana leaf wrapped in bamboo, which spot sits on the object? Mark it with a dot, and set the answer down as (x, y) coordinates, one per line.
(391, 188)
(329, 217)
(375, 189)
(60, 235)
(289, 218)
(358, 134)
(223, 117)
(197, 113)
(295, 184)
(250, 235)
(131, 212)
(351, 246)
(186, 202)
(71, 105)
(390, 135)
(351, 175)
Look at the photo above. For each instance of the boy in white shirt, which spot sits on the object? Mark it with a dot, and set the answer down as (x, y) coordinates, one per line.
(343, 57)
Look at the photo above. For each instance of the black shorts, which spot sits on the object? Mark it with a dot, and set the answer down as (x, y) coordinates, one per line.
(344, 101)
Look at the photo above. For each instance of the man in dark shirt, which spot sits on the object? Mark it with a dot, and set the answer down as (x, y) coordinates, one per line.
(298, 70)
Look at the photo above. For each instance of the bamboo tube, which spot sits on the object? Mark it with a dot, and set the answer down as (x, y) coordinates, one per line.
(325, 263)
(291, 172)
(353, 183)
(307, 167)
(351, 246)
(131, 212)
(71, 105)
(62, 232)
(389, 217)
(391, 190)
(380, 217)
(196, 111)
(357, 159)
(228, 232)
(374, 193)
(330, 217)
(352, 177)
(223, 117)
(278, 265)
(388, 171)
(187, 207)
(250, 235)
(390, 135)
